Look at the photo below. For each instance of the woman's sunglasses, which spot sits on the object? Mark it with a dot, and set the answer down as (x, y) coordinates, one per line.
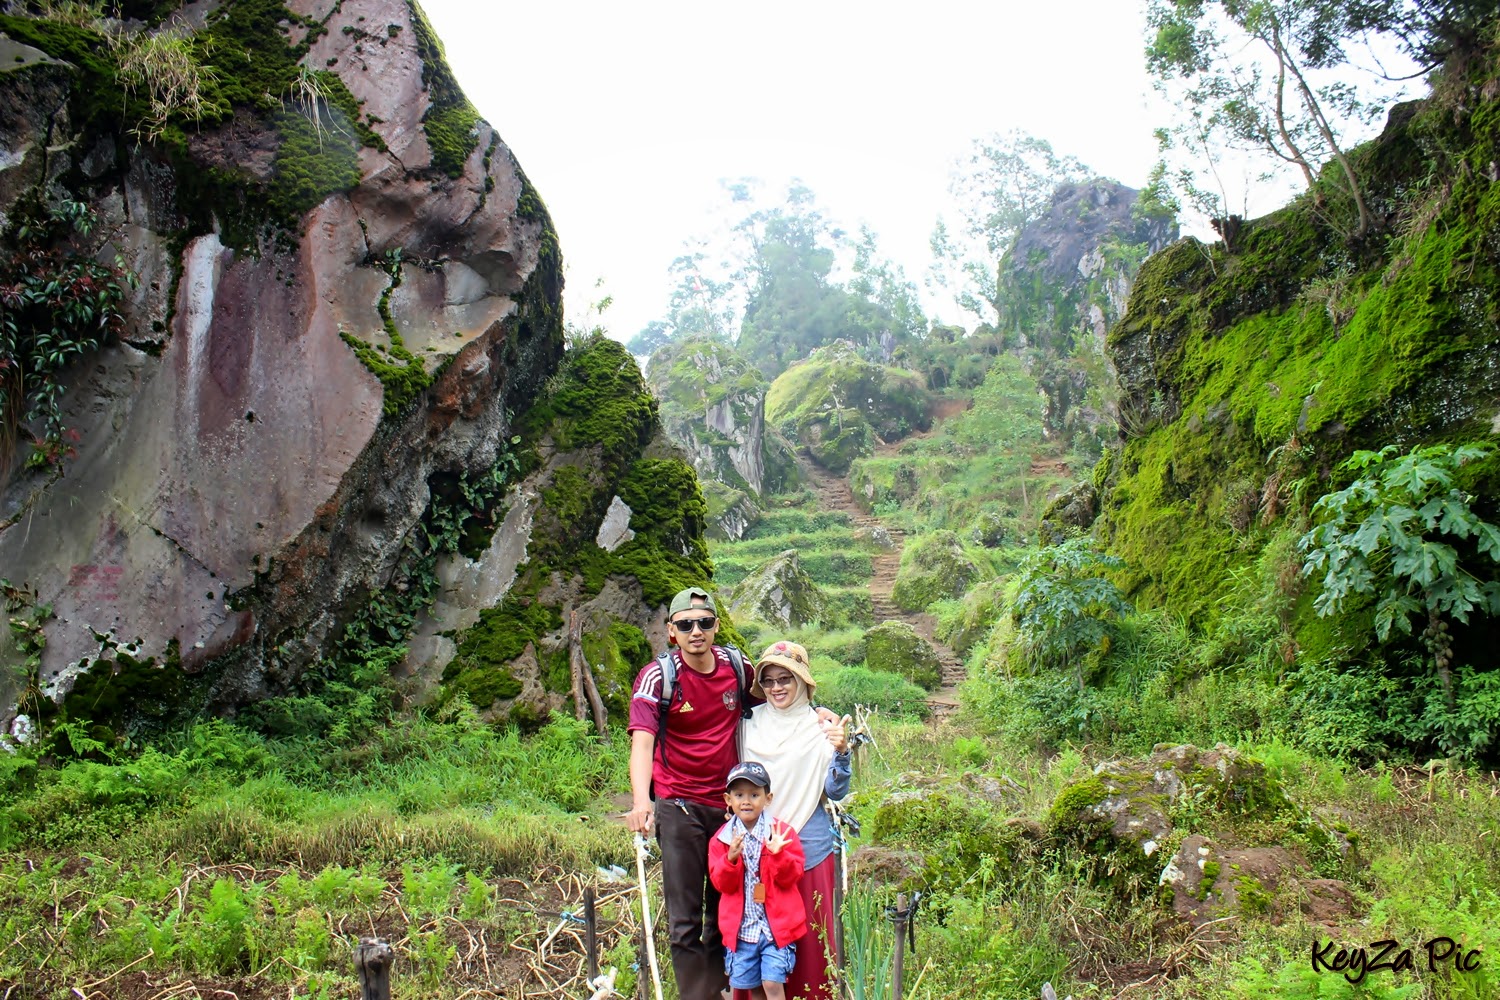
(778, 682)
(691, 624)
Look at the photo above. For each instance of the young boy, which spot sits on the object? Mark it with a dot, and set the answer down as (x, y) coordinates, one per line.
(755, 861)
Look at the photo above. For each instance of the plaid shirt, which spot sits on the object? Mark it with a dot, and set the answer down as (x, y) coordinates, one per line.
(753, 925)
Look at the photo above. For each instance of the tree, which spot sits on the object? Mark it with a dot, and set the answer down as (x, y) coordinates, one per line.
(653, 335)
(1244, 72)
(1404, 533)
(884, 284)
(1006, 183)
(1004, 423)
(794, 304)
(700, 305)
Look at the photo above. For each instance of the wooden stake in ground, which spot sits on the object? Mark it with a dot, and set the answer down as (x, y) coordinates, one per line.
(372, 963)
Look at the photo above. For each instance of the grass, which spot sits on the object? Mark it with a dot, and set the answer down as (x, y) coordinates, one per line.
(1427, 866)
(222, 852)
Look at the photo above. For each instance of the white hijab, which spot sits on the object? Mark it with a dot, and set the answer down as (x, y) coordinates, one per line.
(796, 753)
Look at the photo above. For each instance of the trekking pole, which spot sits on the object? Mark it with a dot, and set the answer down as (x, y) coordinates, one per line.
(640, 867)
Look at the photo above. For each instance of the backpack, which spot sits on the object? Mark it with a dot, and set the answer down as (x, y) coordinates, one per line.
(668, 664)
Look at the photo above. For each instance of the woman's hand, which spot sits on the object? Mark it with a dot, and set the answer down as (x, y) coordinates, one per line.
(837, 732)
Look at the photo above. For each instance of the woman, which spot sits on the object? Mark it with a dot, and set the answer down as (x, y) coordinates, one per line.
(808, 761)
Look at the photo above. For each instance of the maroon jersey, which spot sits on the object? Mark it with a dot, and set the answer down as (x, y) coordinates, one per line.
(702, 724)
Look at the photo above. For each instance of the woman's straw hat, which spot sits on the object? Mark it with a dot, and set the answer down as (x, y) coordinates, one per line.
(784, 654)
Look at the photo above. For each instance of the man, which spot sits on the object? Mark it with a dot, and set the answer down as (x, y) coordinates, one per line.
(684, 770)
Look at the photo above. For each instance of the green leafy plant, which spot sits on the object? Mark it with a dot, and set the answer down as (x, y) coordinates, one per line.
(1065, 606)
(1395, 533)
(58, 304)
(1406, 534)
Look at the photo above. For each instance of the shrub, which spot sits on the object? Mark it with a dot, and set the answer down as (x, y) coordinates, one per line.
(1065, 606)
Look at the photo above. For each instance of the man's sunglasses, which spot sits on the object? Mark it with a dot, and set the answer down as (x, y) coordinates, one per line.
(689, 624)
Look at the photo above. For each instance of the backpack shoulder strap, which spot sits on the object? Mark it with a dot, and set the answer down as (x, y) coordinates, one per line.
(668, 664)
(742, 674)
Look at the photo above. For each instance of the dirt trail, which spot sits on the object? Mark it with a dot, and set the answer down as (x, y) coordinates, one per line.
(833, 494)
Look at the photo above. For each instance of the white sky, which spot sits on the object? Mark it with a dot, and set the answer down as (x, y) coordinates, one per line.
(627, 115)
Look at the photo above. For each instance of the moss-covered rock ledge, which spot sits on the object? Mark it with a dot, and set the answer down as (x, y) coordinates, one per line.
(1249, 373)
(606, 526)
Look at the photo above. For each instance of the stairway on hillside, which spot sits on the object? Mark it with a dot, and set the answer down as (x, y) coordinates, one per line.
(833, 493)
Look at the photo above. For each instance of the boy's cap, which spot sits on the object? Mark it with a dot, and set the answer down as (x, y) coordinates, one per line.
(752, 772)
(686, 600)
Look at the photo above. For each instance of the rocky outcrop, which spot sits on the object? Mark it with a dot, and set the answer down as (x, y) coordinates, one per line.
(322, 408)
(713, 407)
(781, 594)
(731, 512)
(1070, 513)
(933, 567)
(1068, 277)
(1250, 368)
(897, 648)
(1206, 881)
(837, 405)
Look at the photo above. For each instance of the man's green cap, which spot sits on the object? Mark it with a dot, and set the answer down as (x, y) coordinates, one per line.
(688, 599)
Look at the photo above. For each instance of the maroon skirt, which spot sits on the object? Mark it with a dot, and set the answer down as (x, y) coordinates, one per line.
(817, 950)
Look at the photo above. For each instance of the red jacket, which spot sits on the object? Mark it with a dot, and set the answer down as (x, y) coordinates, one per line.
(779, 872)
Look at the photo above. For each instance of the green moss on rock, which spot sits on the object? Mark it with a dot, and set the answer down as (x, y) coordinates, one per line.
(451, 122)
(835, 404)
(1302, 345)
(896, 648)
(933, 567)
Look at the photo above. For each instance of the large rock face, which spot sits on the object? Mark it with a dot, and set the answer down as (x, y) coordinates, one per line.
(323, 336)
(780, 593)
(1067, 279)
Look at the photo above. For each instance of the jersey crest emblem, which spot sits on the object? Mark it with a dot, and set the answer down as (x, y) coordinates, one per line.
(729, 700)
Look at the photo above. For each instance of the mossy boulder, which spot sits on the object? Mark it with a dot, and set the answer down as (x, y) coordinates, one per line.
(981, 609)
(837, 405)
(896, 648)
(883, 480)
(1122, 815)
(994, 528)
(1070, 513)
(953, 829)
(779, 593)
(1207, 881)
(933, 567)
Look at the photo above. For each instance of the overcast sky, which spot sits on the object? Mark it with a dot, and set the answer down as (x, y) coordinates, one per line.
(626, 116)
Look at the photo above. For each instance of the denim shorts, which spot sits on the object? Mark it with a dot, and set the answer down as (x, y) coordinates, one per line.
(754, 962)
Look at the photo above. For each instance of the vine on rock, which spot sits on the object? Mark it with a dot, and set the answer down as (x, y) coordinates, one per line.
(58, 305)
